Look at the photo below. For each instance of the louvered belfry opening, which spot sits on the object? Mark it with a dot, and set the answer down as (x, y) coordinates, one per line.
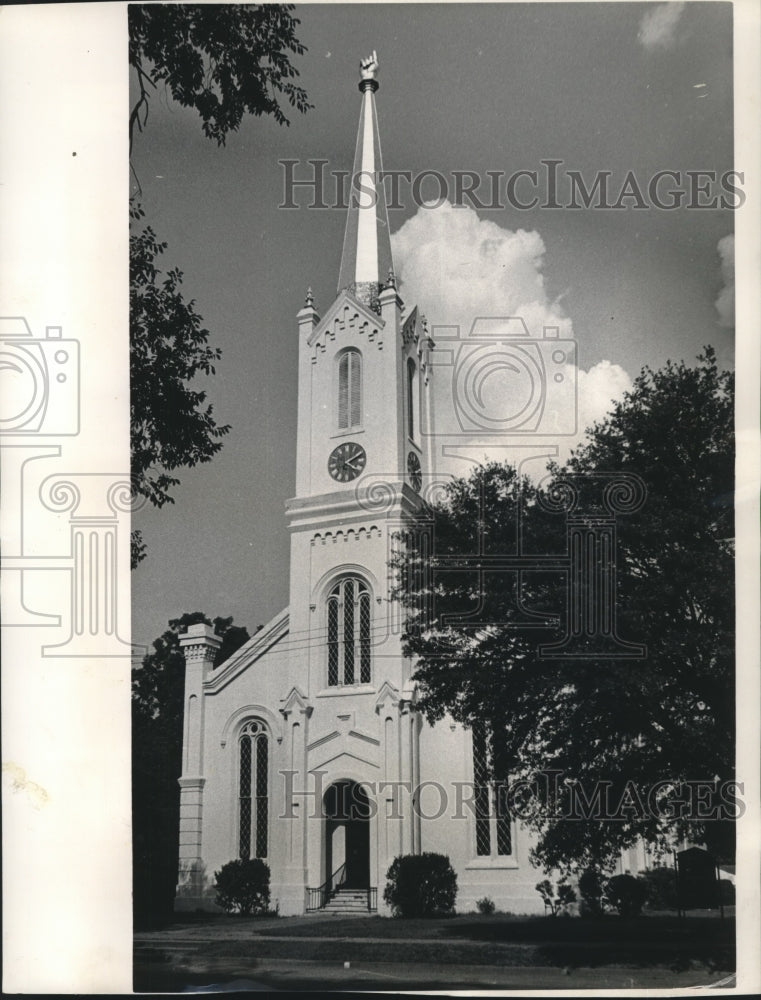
(349, 623)
(349, 390)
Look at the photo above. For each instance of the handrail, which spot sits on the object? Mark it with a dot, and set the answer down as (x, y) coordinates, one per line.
(322, 895)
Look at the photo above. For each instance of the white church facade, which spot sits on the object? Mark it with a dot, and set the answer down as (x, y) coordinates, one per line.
(306, 748)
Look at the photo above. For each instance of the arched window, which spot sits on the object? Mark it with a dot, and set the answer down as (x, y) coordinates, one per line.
(493, 828)
(349, 624)
(411, 397)
(349, 390)
(253, 791)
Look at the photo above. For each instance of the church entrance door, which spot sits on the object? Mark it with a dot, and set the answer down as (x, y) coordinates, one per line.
(347, 834)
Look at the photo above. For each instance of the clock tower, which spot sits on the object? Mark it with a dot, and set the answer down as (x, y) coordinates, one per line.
(363, 462)
(364, 415)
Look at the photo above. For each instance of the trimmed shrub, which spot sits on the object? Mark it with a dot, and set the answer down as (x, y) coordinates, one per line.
(485, 905)
(591, 889)
(243, 886)
(420, 885)
(627, 894)
(557, 898)
(661, 888)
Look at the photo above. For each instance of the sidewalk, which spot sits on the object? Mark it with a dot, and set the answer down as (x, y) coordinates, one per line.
(212, 975)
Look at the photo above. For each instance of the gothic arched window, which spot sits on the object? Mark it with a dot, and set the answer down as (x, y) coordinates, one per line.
(349, 390)
(411, 397)
(349, 626)
(493, 828)
(253, 791)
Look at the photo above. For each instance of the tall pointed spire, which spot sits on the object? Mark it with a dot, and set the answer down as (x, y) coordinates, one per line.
(366, 257)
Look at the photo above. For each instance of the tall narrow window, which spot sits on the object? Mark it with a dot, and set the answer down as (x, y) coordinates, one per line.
(253, 791)
(349, 390)
(411, 397)
(492, 819)
(349, 633)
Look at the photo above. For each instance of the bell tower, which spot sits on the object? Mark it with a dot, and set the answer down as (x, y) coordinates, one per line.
(364, 422)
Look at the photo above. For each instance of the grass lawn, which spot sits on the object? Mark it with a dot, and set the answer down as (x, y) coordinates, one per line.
(470, 950)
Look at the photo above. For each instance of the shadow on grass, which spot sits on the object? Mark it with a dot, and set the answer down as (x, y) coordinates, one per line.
(645, 941)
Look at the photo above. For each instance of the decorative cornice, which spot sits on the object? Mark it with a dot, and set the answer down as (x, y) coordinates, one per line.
(346, 314)
(200, 643)
(349, 535)
(200, 651)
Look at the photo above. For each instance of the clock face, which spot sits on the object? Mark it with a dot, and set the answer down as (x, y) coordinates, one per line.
(413, 468)
(346, 461)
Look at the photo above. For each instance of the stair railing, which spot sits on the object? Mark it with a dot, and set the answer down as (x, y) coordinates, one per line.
(318, 899)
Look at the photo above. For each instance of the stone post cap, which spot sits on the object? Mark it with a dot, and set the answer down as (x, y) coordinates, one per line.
(200, 634)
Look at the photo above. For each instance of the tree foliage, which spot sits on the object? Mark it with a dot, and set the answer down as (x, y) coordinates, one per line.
(157, 717)
(224, 61)
(616, 725)
(171, 424)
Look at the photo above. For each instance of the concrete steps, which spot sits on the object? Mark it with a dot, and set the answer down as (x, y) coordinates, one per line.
(347, 902)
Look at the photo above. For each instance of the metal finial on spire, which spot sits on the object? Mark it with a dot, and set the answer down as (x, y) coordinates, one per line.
(366, 255)
(309, 301)
(368, 69)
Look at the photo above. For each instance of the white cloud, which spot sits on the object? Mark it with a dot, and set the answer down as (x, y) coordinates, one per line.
(657, 29)
(725, 301)
(457, 267)
(604, 384)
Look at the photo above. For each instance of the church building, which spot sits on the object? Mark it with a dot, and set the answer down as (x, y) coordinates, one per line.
(305, 748)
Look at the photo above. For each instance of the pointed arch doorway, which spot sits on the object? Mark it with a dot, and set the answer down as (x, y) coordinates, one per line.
(346, 809)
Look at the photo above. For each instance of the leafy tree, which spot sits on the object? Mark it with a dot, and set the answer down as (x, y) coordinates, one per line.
(224, 61)
(157, 716)
(603, 725)
(170, 424)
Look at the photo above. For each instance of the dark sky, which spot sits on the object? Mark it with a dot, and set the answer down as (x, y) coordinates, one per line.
(498, 87)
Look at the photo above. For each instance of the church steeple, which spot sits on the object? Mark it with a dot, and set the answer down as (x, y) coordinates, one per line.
(366, 257)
